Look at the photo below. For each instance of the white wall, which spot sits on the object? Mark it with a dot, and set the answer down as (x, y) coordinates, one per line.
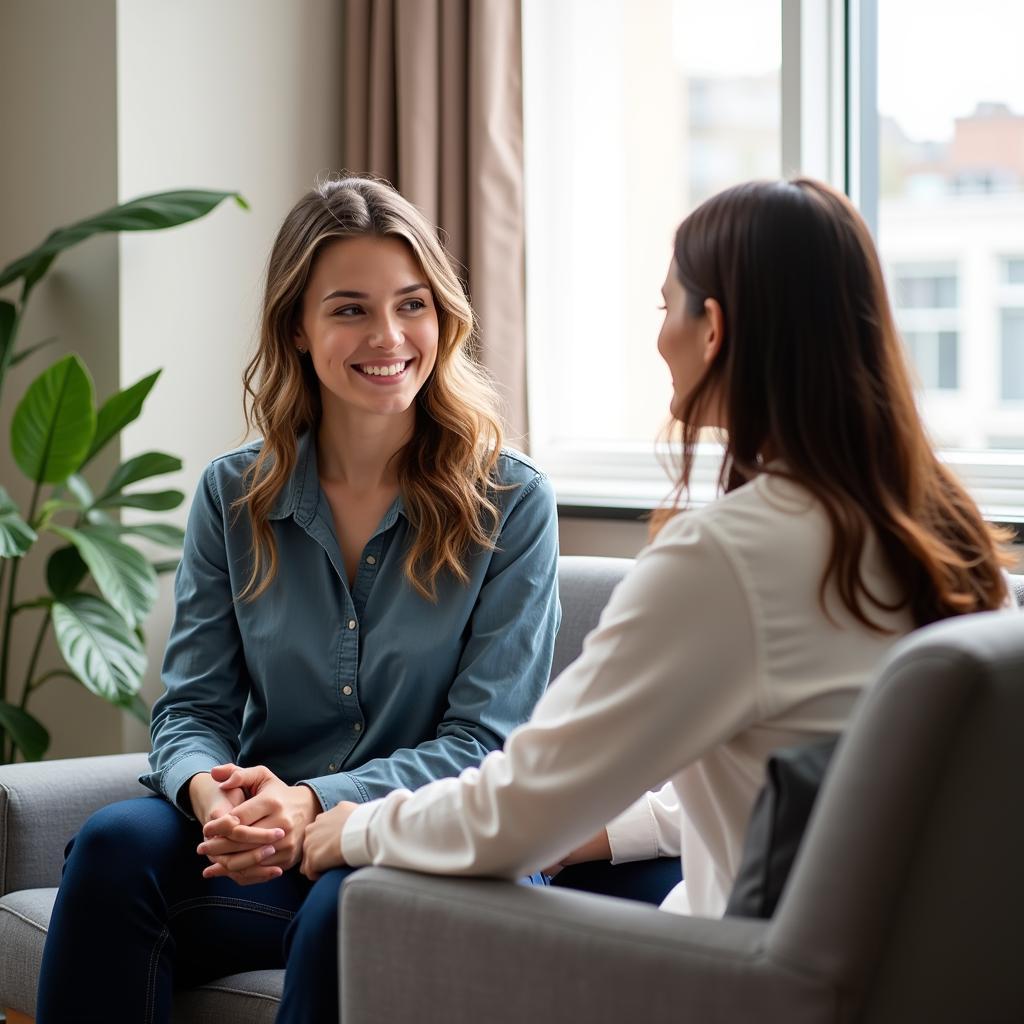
(238, 94)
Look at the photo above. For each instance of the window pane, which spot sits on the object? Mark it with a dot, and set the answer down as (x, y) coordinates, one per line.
(1013, 355)
(635, 111)
(1015, 270)
(933, 355)
(951, 212)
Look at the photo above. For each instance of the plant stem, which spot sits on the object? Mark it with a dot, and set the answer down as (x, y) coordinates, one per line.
(29, 685)
(52, 674)
(9, 353)
(5, 650)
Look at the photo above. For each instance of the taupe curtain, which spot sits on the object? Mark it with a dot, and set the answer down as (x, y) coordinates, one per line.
(433, 103)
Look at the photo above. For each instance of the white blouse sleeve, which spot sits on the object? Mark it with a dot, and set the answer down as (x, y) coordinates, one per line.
(670, 672)
(648, 828)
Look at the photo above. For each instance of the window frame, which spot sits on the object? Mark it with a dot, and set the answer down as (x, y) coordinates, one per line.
(829, 130)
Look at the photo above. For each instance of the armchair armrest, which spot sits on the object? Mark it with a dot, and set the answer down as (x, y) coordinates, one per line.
(418, 949)
(43, 804)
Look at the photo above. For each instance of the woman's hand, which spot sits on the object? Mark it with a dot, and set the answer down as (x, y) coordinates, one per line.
(208, 800)
(321, 850)
(595, 848)
(261, 837)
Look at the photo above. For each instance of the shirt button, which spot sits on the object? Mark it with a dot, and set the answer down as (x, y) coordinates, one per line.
(358, 727)
(370, 560)
(351, 623)
(347, 690)
(332, 767)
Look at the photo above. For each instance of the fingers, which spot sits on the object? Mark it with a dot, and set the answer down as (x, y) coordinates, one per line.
(250, 876)
(231, 776)
(221, 826)
(230, 829)
(221, 846)
(236, 778)
(236, 863)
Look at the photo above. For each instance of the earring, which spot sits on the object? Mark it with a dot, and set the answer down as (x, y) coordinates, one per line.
(300, 350)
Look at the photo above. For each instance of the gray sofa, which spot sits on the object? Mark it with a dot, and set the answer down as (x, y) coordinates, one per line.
(904, 904)
(43, 805)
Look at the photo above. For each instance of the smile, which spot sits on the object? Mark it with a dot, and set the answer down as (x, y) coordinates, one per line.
(385, 371)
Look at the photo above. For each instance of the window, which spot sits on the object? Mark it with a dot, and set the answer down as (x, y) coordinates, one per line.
(934, 356)
(951, 191)
(1013, 355)
(925, 301)
(636, 110)
(634, 113)
(1013, 270)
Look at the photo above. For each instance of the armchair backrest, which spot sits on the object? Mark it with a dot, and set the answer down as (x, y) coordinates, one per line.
(584, 584)
(908, 892)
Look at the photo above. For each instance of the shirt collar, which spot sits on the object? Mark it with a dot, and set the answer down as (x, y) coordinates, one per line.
(300, 495)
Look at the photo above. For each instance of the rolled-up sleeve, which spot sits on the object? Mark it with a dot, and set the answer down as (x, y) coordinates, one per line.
(504, 666)
(196, 722)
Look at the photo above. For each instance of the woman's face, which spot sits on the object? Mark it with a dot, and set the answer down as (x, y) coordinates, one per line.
(370, 325)
(688, 344)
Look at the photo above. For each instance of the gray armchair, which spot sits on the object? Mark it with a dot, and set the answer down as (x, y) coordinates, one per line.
(905, 903)
(43, 805)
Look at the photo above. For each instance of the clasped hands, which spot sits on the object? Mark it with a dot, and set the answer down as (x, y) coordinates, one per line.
(256, 827)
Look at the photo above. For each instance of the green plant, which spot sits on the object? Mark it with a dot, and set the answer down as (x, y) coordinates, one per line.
(98, 588)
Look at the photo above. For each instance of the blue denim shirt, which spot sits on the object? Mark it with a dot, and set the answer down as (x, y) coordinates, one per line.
(353, 692)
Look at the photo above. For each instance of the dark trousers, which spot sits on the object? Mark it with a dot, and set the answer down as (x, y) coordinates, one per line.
(648, 881)
(134, 917)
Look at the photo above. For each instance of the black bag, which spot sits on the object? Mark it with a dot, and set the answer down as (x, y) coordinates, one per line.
(793, 777)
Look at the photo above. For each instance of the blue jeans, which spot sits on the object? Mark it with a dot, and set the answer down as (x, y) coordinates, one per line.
(134, 917)
(649, 881)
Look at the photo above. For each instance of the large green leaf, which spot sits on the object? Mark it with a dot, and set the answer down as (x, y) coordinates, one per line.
(16, 536)
(64, 571)
(54, 423)
(147, 213)
(159, 533)
(29, 735)
(79, 487)
(153, 501)
(119, 410)
(124, 576)
(99, 646)
(141, 467)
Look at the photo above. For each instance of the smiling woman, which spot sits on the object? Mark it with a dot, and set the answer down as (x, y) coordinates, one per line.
(367, 601)
(374, 343)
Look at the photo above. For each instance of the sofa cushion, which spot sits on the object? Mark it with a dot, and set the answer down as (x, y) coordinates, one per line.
(250, 998)
(24, 916)
(777, 824)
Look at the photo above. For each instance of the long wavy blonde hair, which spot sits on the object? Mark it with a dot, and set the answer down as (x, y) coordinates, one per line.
(446, 472)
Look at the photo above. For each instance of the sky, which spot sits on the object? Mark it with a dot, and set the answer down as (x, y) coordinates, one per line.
(937, 58)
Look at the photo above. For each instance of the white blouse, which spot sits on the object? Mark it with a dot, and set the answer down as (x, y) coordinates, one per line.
(712, 652)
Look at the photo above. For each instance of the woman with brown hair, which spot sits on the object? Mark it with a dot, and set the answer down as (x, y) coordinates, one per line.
(749, 624)
(367, 601)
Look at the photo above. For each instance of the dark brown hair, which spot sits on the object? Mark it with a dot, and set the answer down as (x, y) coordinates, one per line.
(811, 370)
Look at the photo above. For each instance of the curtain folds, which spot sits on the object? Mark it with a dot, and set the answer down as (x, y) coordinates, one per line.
(433, 104)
